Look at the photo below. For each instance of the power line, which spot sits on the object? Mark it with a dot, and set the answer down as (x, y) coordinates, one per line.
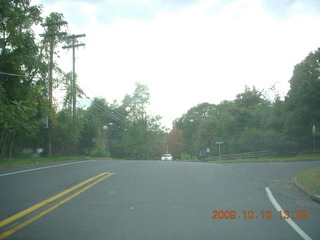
(93, 93)
(104, 111)
(92, 102)
(107, 112)
(19, 75)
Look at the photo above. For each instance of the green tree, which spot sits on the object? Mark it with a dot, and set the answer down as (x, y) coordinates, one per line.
(136, 106)
(117, 130)
(250, 109)
(155, 138)
(248, 123)
(66, 133)
(97, 120)
(143, 132)
(303, 100)
(192, 126)
(20, 67)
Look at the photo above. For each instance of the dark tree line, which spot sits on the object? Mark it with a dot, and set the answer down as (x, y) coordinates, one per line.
(253, 122)
(124, 130)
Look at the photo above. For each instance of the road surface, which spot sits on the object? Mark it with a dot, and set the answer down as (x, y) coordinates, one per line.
(156, 200)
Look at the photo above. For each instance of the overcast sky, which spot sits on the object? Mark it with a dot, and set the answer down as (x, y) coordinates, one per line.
(187, 51)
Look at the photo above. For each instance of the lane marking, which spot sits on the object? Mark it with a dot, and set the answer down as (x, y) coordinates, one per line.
(44, 212)
(49, 200)
(289, 220)
(40, 168)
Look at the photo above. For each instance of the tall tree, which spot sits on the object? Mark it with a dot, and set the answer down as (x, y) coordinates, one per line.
(144, 129)
(303, 99)
(97, 121)
(20, 65)
(250, 109)
(190, 124)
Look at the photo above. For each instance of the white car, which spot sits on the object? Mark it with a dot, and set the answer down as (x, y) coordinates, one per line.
(166, 157)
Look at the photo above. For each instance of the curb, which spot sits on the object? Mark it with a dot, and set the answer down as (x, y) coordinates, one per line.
(315, 198)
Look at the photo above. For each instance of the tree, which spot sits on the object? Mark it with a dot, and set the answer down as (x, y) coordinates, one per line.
(248, 123)
(303, 99)
(96, 125)
(143, 132)
(66, 133)
(155, 137)
(20, 86)
(136, 106)
(250, 109)
(189, 124)
(175, 143)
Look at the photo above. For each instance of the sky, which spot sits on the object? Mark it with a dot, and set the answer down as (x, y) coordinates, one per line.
(187, 51)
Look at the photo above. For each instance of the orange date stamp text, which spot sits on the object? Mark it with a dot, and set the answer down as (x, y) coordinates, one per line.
(263, 214)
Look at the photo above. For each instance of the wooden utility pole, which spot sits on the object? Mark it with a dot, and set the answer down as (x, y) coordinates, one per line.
(52, 35)
(74, 85)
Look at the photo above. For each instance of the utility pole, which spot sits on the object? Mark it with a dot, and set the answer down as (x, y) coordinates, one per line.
(74, 86)
(52, 35)
(219, 143)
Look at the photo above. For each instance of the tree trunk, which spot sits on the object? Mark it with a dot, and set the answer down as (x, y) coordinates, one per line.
(11, 145)
(3, 144)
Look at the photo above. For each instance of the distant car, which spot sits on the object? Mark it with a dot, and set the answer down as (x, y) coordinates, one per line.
(166, 157)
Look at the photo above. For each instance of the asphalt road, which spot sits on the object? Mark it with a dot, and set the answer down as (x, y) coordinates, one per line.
(155, 200)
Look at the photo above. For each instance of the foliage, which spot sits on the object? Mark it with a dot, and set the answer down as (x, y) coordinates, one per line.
(97, 124)
(174, 140)
(144, 131)
(250, 122)
(66, 134)
(19, 55)
(303, 99)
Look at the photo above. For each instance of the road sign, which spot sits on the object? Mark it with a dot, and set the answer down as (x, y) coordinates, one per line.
(219, 143)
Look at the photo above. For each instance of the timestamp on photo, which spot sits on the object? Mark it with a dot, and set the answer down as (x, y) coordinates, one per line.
(263, 214)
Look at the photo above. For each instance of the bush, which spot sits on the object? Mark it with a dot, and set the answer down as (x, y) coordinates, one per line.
(99, 152)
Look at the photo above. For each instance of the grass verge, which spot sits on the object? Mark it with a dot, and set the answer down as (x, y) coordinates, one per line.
(14, 162)
(310, 180)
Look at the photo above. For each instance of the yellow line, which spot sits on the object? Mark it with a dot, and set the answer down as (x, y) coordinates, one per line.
(39, 215)
(44, 212)
(39, 205)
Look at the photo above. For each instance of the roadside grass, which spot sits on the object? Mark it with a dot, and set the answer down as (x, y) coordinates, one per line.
(282, 159)
(14, 162)
(185, 156)
(310, 180)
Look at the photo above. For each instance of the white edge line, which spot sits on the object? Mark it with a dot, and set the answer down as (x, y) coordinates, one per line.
(40, 168)
(289, 220)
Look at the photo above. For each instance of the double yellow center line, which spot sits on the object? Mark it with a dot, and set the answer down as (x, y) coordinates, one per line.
(47, 205)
